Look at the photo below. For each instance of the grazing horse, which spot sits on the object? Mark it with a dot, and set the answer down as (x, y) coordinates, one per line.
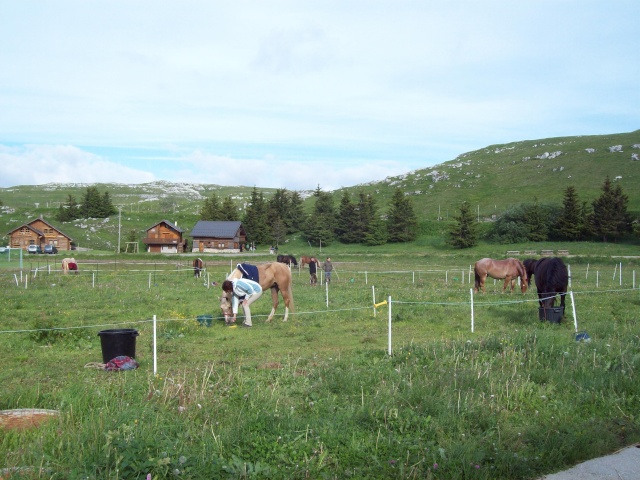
(552, 279)
(69, 264)
(287, 259)
(509, 269)
(275, 276)
(197, 267)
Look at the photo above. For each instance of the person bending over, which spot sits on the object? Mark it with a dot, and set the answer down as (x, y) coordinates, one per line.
(245, 291)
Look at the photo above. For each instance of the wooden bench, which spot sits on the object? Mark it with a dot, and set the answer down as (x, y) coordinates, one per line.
(563, 252)
(547, 253)
(531, 252)
(511, 253)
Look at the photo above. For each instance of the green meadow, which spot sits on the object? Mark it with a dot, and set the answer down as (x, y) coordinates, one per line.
(416, 388)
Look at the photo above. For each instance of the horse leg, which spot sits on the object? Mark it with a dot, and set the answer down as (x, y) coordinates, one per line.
(274, 303)
(507, 281)
(287, 296)
(483, 279)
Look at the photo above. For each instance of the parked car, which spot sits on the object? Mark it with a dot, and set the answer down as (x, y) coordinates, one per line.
(50, 249)
(34, 249)
(4, 249)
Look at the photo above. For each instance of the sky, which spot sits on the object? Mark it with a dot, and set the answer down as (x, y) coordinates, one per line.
(300, 94)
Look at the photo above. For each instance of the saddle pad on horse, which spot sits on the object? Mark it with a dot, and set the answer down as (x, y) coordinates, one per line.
(249, 271)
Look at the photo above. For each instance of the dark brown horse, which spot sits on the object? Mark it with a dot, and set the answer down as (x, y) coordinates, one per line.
(508, 269)
(552, 279)
(287, 260)
(275, 276)
(197, 267)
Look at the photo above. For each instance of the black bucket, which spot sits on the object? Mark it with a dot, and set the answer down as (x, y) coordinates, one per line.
(551, 314)
(118, 342)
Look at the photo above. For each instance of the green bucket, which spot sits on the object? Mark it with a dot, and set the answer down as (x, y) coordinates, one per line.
(205, 320)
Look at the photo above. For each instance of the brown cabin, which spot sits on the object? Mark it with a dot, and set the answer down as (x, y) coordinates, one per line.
(218, 236)
(165, 237)
(39, 232)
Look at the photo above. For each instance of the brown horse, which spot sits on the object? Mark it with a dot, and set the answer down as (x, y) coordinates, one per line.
(197, 267)
(509, 269)
(306, 260)
(277, 277)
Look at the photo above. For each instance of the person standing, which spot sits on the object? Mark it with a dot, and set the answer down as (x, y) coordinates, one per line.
(328, 268)
(245, 291)
(313, 269)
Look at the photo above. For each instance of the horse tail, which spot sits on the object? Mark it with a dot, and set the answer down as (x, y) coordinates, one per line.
(477, 278)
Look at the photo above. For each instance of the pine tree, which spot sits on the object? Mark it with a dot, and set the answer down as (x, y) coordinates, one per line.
(320, 226)
(346, 220)
(402, 224)
(297, 216)
(569, 225)
(211, 209)
(463, 233)
(69, 210)
(376, 233)
(106, 208)
(278, 232)
(537, 222)
(90, 202)
(624, 217)
(256, 221)
(229, 210)
(95, 205)
(366, 210)
(609, 218)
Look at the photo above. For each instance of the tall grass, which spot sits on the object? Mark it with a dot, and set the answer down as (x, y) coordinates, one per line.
(319, 396)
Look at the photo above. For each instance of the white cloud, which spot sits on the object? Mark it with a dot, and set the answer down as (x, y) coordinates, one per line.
(39, 164)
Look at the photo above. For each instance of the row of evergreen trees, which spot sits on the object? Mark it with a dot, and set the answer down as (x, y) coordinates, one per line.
(270, 221)
(606, 219)
(92, 205)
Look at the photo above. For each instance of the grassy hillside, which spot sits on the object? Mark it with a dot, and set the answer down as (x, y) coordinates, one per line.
(498, 177)
(491, 179)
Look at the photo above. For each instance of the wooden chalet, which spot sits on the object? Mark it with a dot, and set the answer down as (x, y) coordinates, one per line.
(39, 232)
(218, 237)
(165, 237)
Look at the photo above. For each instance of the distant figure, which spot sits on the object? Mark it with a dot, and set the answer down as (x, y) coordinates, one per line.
(328, 268)
(313, 271)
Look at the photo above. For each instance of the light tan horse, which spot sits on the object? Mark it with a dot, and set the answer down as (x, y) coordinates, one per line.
(277, 277)
(508, 269)
(69, 264)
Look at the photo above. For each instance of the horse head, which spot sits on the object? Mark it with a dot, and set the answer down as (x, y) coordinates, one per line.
(529, 268)
(225, 304)
(524, 278)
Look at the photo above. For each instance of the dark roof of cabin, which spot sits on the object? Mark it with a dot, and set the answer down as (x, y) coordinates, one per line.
(171, 225)
(217, 229)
